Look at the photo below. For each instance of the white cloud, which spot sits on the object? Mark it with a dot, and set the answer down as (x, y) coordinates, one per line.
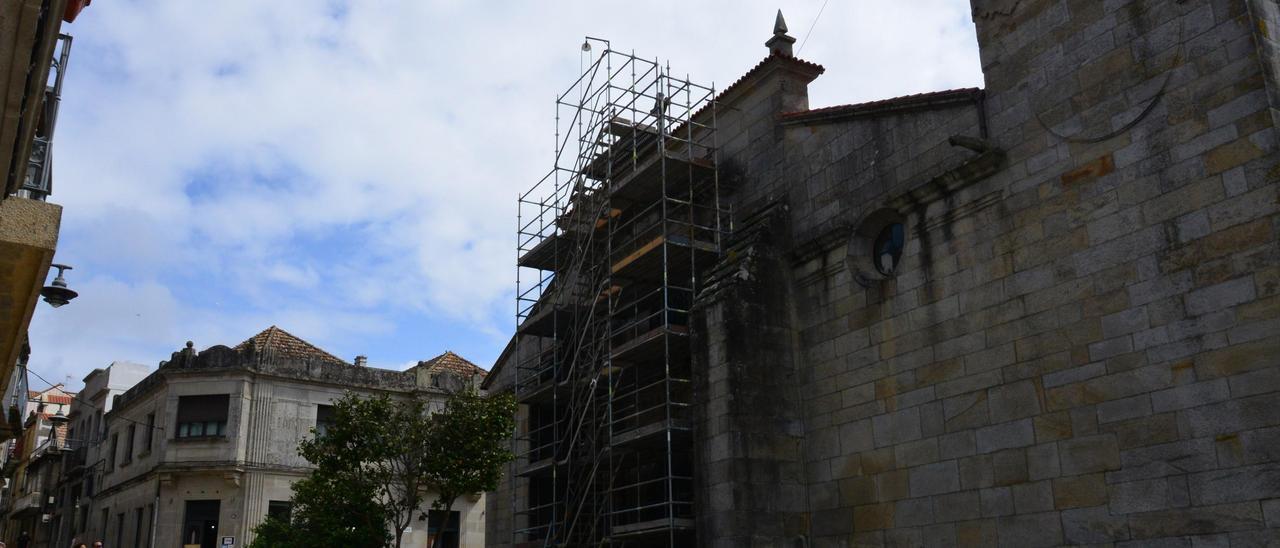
(268, 162)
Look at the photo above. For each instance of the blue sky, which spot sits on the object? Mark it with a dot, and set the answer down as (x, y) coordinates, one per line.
(348, 171)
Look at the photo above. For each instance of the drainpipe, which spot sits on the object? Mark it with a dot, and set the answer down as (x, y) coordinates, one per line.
(155, 512)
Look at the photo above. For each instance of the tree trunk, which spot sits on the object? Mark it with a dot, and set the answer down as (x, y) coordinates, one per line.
(435, 543)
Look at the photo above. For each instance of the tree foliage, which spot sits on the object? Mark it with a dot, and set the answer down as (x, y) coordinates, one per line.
(467, 446)
(328, 511)
(380, 459)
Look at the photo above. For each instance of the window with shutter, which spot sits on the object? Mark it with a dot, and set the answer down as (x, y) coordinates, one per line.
(202, 416)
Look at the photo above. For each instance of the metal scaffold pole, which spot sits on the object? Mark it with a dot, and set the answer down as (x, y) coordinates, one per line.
(613, 240)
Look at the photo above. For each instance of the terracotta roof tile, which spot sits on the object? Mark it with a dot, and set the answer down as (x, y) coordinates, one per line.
(751, 74)
(883, 106)
(819, 69)
(281, 343)
(453, 363)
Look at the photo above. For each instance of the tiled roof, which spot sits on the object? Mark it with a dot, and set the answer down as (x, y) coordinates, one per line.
(816, 68)
(884, 106)
(54, 394)
(755, 71)
(453, 363)
(281, 343)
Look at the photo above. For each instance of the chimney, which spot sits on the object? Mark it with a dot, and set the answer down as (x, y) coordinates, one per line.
(362, 361)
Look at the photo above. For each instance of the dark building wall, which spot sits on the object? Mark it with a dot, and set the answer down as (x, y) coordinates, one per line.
(499, 512)
(1080, 343)
(749, 420)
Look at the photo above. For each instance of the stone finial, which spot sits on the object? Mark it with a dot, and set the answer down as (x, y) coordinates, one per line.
(780, 44)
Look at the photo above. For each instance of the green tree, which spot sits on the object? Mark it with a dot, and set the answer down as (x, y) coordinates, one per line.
(369, 459)
(328, 511)
(467, 446)
(379, 458)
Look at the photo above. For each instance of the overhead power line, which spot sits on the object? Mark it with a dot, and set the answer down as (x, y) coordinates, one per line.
(811, 25)
(76, 396)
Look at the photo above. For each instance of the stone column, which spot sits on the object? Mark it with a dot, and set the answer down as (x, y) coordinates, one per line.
(748, 430)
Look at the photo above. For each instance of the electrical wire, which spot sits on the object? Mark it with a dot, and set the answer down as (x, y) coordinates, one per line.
(811, 25)
(76, 396)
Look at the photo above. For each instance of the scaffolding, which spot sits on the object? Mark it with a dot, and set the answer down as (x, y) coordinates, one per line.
(610, 245)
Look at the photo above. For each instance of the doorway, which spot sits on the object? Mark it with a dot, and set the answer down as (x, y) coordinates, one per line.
(200, 524)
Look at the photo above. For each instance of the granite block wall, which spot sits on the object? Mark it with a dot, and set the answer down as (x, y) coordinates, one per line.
(1081, 342)
(1081, 348)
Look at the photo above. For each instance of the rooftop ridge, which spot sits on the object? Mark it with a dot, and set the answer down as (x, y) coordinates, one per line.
(449, 360)
(274, 340)
(915, 101)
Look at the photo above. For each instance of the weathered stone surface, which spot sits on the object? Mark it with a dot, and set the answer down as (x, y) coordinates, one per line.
(1033, 497)
(1144, 431)
(1251, 447)
(1013, 401)
(1079, 491)
(1196, 521)
(1009, 467)
(1235, 484)
(1192, 395)
(976, 472)
(1089, 454)
(1079, 343)
(1229, 416)
(961, 506)
(1004, 436)
(1166, 459)
(1093, 526)
(996, 501)
(857, 490)
(1271, 512)
(1044, 529)
(893, 485)
(977, 533)
(913, 512)
(958, 444)
(1124, 408)
(933, 479)
(1042, 462)
(1148, 495)
(898, 427)
(873, 516)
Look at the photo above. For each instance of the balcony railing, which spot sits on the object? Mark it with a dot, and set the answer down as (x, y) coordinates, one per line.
(76, 455)
(29, 501)
(50, 446)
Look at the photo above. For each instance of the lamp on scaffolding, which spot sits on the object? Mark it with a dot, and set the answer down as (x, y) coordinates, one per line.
(586, 43)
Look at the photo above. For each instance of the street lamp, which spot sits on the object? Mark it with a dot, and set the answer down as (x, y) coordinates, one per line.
(57, 293)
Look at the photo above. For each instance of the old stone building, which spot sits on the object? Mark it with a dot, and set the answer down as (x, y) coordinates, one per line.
(205, 447)
(72, 496)
(1042, 312)
(31, 466)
